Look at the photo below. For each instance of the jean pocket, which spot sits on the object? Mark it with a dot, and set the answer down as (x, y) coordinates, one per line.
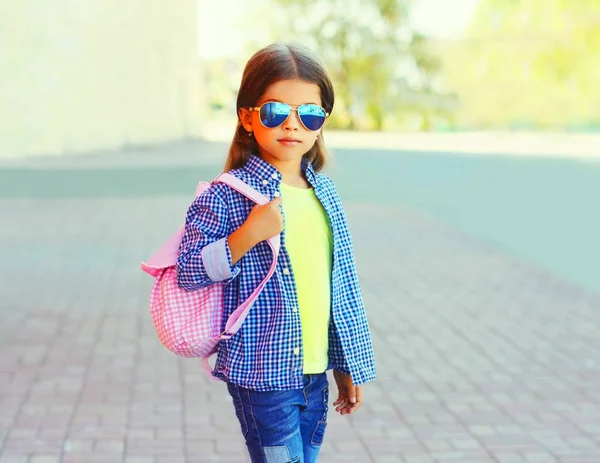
(319, 433)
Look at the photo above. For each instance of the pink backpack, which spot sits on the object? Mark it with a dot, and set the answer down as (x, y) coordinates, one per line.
(188, 323)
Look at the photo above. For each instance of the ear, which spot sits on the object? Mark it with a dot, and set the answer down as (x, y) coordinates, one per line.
(246, 119)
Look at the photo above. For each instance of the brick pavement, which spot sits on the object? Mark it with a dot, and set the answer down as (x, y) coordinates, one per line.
(482, 356)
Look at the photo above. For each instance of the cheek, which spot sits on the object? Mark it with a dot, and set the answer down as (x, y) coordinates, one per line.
(257, 126)
(262, 132)
(259, 131)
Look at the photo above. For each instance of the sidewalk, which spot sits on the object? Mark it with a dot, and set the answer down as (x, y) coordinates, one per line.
(490, 142)
(482, 357)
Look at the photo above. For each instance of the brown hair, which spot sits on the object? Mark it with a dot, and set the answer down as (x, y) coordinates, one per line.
(269, 65)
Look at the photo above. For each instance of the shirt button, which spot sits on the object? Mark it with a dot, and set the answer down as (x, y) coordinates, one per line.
(286, 271)
(295, 309)
(275, 176)
(265, 182)
(277, 194)
(296, 351)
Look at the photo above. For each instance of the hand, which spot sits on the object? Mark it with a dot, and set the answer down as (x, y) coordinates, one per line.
(264, 222)
(349, 396)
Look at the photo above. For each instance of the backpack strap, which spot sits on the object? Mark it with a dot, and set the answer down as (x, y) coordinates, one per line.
(242, 187)
(235, 320)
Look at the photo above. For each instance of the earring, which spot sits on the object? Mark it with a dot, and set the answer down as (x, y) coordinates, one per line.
(249, 134)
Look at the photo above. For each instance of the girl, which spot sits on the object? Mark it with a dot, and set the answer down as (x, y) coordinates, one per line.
(310, 316)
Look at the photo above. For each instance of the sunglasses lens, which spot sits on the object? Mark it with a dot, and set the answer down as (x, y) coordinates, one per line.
(312, 116)
(274, 114)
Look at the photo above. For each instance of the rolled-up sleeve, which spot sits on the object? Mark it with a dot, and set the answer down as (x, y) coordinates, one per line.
(204, 256)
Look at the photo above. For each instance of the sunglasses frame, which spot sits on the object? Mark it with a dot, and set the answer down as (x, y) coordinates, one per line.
(258, 108)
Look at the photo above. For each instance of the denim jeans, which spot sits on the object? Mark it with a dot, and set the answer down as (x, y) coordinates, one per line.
(283, 426)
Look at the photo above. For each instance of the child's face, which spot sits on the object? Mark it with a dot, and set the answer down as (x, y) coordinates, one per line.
(291, 140)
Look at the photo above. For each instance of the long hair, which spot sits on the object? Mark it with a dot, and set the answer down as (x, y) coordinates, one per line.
(269, 65)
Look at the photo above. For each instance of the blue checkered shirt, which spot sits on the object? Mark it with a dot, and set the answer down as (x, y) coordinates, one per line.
(266, 353)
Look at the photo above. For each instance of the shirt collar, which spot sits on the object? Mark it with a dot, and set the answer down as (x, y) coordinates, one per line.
(261, 169)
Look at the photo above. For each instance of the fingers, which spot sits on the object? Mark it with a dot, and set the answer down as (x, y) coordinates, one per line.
(351, 409)
(352, 393)
(275, 204)
(340, 404)
(346, 405)
(358, 401)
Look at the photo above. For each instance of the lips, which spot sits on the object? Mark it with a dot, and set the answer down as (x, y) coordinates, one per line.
(288, 140)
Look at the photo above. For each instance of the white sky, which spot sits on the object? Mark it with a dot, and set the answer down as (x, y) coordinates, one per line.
(220, 33)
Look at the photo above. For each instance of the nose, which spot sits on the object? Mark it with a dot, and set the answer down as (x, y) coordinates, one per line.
(292, 123)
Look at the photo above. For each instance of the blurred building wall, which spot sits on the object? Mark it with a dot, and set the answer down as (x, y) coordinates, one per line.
(80, 75)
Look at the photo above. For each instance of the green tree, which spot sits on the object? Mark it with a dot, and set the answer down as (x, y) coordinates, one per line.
(383, 71)
(529, 63)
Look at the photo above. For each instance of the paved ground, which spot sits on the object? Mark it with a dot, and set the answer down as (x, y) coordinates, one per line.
(480, 275)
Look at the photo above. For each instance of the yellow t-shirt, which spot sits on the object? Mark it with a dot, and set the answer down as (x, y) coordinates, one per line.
(309, 244)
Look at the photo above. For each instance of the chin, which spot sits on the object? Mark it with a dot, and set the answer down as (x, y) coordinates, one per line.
(287, 154)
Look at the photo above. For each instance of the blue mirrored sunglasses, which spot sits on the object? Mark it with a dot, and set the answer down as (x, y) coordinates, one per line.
(273, 114)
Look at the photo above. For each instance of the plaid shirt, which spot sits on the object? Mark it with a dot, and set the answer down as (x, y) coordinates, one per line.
(266, 353)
